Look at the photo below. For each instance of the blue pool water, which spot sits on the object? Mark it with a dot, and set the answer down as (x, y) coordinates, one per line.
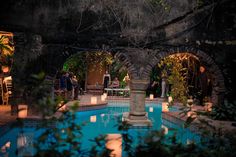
(98, 122)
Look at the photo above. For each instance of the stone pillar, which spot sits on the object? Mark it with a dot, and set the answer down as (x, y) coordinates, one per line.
(137, 115)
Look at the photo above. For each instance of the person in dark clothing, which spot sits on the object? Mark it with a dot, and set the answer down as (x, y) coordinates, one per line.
(106, 79)
(63, 81)
(69, 86)
(202, 84)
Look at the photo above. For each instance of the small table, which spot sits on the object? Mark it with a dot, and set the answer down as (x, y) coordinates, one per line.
(116, 90)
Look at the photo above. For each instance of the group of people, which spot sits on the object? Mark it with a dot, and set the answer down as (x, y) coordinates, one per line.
(115, 83)
(69, 85)
(203, 86)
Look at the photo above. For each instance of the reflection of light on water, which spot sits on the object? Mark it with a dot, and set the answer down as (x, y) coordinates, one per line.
(150, 109)
(93, 119)
(25, 144)
(114, 143)
(104, 119)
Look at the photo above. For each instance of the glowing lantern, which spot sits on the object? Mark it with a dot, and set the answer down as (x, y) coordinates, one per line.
(165, 107)
(22, 111)
(190, 102)
(93, 100)
(170, 99)
(5, 69)
(150, 109)
(114, 143)
(151, 96)
(165, 129)
(103, 98)
(93, 119)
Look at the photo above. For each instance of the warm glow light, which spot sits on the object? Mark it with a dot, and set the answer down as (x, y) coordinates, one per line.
(93, 119)
(105, 95)
(93, 100)
(165, 107)
(5, 69)
(151, 96)
(170, 99)
(22, 111)
(189, 102)
(150, 109)
(114, 142)
(165, 129)
(103, 98)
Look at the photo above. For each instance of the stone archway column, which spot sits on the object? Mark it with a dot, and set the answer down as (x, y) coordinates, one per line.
(137, 115)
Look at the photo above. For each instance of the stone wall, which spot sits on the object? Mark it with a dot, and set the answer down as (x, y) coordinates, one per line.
(141, 33)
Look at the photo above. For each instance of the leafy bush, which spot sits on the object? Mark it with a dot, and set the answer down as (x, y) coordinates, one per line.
(226, 111)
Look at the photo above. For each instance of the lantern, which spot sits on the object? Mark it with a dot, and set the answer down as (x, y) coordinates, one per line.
(165, 107)
(22, 111)
(93, 100)
(93, 119)
(103, 98)
(5, 69)
(170, 99)
(114, 143)
(151, 96)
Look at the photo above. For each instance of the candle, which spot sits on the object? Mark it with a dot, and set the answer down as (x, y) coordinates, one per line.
(150, 109)
(93, 100)
(151, 96)
(165, 107)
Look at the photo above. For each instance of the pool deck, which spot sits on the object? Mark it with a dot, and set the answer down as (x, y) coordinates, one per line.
(179, 119)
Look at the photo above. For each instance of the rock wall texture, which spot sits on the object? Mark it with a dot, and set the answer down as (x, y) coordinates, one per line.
(140, 32)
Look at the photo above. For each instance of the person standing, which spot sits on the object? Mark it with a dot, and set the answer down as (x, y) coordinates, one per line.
(106, 79)
(202, 84)
(69, 86)
(75, 88)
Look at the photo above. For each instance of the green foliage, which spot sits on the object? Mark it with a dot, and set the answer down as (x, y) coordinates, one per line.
(226, 111)
(176, 74)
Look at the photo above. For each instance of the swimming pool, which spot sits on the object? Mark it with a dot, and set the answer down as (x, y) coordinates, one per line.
(98, 122)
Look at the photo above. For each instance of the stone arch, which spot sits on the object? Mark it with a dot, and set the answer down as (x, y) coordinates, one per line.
(218, 84)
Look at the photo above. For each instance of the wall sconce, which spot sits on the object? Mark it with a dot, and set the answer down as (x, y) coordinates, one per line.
(93, 100)
(22, 111)
(150, 109)
(105, 95)
(114, 143)
(93, 119)
(165, 107)
(151, 97)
